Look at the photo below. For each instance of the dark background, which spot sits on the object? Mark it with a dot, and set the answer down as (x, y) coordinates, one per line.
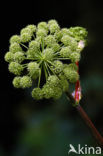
(47, 127)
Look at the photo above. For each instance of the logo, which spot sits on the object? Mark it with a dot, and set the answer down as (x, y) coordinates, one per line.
(84, 150)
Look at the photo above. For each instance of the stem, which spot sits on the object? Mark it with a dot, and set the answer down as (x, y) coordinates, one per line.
(39, 78)
(24, 45)
(42, 45)
(47, 68)
(62, 58)
(87, 121)
(51, 69)
(46, 75)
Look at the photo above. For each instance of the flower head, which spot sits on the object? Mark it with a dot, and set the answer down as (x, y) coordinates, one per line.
(46, 52)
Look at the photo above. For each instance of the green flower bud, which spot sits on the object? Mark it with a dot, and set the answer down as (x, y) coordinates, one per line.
(30, 54)
(9, 57)
(47, 91)
(57, 93)
(72, 66)
(65, 31)
(71, 75)
(52, 22)
(75, 57)
(53, 81)
(58, 67)
(69, 41)
(19, 57)
(48, 54)
(26, 30)
(43, 25)
(51, 91)
(41, 33)
(32, 27)
(34, 50)
(65, 52)
(16, 82)
(15, 38)
(33, 69)
(58, 35)
(39, 40)
(73, 45)
(34, 45)
(64, 83)
(25, 82)
(50, 40)
(37, 93)
(79, 33)
(33, 53)
(25, 37)
(55, 47)
(15, 68)
(54, 28)
(66, 40)
(15, 47)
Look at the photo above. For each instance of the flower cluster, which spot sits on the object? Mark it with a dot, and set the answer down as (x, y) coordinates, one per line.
(46, 52)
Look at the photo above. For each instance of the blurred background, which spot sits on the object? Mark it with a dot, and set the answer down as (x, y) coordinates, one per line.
(47, 127)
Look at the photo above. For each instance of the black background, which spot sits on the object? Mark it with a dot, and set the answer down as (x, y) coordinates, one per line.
(16, 15)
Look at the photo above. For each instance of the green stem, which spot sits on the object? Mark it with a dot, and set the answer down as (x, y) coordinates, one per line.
(42, 44)
(33, 36)
(36, 59)
(62, 58)
(56, 53)
(51, 69)
(39, 78)
(50, 63)
(47, 68)
(24, 45)
(45, 71)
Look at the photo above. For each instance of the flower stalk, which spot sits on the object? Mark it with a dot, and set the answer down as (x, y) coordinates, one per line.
(75, 102)
(87, 120)
(90, 125)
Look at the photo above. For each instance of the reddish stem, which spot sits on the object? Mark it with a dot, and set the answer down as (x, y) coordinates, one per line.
(75, 101)
(77, 91)
(77, 95)
(89, 123)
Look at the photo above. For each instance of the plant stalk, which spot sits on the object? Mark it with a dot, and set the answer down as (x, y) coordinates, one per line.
(88, 122)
